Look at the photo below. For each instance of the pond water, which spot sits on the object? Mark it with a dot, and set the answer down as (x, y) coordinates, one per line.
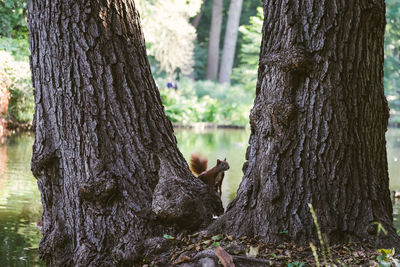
(20, 206)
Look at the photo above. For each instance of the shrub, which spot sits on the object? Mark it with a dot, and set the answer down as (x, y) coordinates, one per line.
(21, 104)
(13, 18)
(205, 101)
(18, 48)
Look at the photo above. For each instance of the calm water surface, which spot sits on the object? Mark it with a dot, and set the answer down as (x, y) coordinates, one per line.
(20, 206)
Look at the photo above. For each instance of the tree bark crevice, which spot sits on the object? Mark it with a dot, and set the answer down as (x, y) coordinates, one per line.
(104, 151)
(317, 128)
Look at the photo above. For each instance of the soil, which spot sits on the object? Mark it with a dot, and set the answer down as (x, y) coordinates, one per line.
(203, 250)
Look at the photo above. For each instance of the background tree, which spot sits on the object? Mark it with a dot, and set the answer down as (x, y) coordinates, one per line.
(242, 76)
(169, 34)
(249, 8)
(104, 156)
(196, 20)
(317, 127)
(213, 43)
(231, 33)
(392, 55)
(245, 73)
(13, 18)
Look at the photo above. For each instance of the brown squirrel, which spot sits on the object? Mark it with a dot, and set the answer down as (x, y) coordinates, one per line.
(214, 176)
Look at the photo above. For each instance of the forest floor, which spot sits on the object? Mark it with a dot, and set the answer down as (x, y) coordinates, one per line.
(222, 250)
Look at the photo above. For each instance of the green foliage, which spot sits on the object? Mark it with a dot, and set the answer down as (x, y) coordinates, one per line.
(169, 34)
(380, 229)
(216, 244)
(321, 241)
(13, 18)
(21, 104)
(217, 237)
(169, 237)
(249, 9)
(19, 48)
(392, 53)
(246, 72)
(14, 54)
(386, 258)
(206, 101)
(200, 60)
(296, 264)
(315, 254)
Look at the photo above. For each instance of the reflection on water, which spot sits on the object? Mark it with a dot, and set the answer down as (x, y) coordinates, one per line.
(20, 204)
(393, 153)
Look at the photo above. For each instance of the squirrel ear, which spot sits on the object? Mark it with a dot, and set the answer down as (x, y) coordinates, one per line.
(224, 159)
(218, 161)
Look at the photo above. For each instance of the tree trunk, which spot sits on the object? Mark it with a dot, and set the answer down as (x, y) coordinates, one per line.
(195, 22)
(317, 127)
(197, 18)
(231, 33)
(213, 45)
(105, 156)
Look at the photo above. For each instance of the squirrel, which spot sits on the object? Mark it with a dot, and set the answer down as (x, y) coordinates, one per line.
(214, 176)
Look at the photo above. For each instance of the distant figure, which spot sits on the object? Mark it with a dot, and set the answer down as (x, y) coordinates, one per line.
(172, 84)
(175, 85)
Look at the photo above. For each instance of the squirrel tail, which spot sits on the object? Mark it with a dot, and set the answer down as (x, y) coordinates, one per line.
(198, 164)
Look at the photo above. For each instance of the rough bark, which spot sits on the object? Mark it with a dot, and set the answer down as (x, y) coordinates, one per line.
(231, 33)
(213, 43)
(105, 156)
(317, 126)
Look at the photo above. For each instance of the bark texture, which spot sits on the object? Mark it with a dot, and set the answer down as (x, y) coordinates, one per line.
(231, 33)
(317, 126)
(213, 45)
(105, 156)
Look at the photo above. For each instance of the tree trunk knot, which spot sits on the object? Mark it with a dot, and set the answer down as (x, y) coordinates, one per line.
(280, 115)
(102, 191)
(58, 237)
(290, 60)
(44, 161)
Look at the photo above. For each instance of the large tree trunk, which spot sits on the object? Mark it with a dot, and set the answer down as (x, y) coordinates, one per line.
(213, 43)
(317, 126)
(105, 156)
(231, 33)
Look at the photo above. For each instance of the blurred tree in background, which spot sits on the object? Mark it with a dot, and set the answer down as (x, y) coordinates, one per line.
(231, 33)
(177, 34)
(249, 9)
(21, 103)
(169, 35)
(392, 55)
(214, 41)
(246, 71)
(13, 18)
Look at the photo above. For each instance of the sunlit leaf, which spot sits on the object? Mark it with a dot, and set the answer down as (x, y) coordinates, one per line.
(166, 236)
(217, 237)
(253, 251)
